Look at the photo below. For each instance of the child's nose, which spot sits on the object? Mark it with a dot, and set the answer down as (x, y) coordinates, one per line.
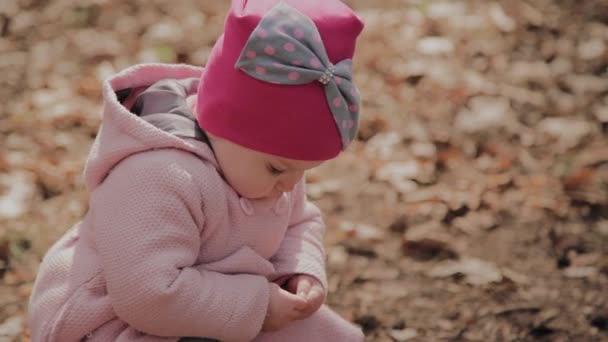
(287, 184)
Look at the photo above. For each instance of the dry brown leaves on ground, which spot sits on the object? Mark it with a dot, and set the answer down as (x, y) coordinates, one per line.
(473, 206)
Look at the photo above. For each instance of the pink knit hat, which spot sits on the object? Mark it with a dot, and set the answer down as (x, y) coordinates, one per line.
(279, 79)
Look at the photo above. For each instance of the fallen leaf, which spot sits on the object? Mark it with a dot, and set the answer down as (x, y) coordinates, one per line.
(337, 256)
(580, 272)
(11, 328)
(19, 191)
(591, 49)
(424, 150)
(445, 9)
(593, 156)
(398, 170)
(514, 276)
(368, 323)
(475, 271)
(566, 131)
(382, 145)
(426, 242)
(399, 225)
(318, 190)
(500, 18)
(537, 71)
(531, 14)
(498, 181)
(165, 31)
(403, 335)
(379, 274)
(601, 113)
(587, 259)
(476, 222)
(435, 46)
(599, 319)
(361, 231)
(5, 255)
(484, 112)
(602, 227)
(403, 174)
(369, 127)
(586, 83)
(428, 249)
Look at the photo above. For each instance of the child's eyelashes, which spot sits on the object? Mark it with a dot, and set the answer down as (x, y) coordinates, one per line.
(273, 170)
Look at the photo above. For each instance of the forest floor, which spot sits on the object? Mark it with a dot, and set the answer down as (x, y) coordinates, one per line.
(472, 207)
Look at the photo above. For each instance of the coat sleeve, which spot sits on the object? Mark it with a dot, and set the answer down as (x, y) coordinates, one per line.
(302, 251)
(147, 217)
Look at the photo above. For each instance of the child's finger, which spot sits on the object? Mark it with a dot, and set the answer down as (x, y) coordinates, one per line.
(304, 286)
(314, 295)
(300, 304)
(295, 315)
(292, 300)
(301, 314)
(292, 285)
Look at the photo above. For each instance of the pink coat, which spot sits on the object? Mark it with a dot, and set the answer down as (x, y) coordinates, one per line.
(168, 249)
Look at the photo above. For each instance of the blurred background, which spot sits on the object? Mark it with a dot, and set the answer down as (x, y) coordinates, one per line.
(472, 207)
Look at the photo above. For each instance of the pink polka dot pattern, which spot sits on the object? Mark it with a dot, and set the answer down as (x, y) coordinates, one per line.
(294, 75)
(289, 47)
(269, 50)
(348, 124)
(262, 33)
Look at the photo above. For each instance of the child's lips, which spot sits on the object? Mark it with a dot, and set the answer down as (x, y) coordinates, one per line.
(272, 196)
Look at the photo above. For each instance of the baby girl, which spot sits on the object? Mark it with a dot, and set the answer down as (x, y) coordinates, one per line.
(198, 225)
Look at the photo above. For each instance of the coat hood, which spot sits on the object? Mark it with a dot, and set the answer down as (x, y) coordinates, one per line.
(124, 133)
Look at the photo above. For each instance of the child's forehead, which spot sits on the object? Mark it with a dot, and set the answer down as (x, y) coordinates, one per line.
(247, 155)
(292, 164)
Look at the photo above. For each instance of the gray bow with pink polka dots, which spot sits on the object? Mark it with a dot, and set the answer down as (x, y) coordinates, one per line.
(286, 48)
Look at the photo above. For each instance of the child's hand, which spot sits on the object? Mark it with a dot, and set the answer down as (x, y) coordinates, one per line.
(310, 289)
(283, 308)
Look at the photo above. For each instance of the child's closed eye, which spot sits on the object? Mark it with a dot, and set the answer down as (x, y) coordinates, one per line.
(273, 170)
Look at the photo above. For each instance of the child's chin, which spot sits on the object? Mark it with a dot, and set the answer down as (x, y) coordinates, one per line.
(263, 197)
(254, 197)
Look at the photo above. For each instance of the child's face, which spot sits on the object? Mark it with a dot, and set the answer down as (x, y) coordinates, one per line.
(257, 175)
